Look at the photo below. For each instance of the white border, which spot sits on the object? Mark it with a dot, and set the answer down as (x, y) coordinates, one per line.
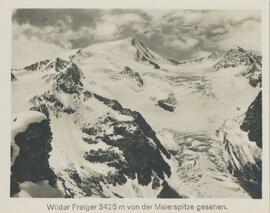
(10, 205)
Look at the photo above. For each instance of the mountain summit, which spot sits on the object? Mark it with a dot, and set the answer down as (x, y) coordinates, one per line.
(128, 49)
(237, 56)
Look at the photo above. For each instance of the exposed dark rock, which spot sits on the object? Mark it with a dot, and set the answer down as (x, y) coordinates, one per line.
(156, 66)
(237, 56)
(163, 104)
(138, 142)
(75, 176)
(114, 104)
(14, 186)
(249, 174)
(254, 75)
(37, 65)
(173, 61)
(68, 192)
(89, 140)
(168, 192)
(142, 50)
(253, 121)
(40, 105)
(60, 64)
(89, 131)
(155, 182)
(141, 157)
(69, 110)
(70, 80)
(130, 73)
(32, 162)
(254, 82)
(13, 78)
(138, 118)
(141, 151)
(250, 178)
(117, 195)
(87, 94)
(110, 157)
(56, 65)
(168, 104)
(89, 185)
(143, 54)
(50, 102)
(116, 178)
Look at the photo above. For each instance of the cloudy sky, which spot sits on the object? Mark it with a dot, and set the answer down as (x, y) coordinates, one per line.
(178, 34)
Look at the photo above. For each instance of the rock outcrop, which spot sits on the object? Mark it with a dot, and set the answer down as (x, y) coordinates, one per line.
(143, 54)
(31, 145)
(242, 139)
(237, 56)
(168, 104)
(133, 75)
(252, 122)
(13, 78)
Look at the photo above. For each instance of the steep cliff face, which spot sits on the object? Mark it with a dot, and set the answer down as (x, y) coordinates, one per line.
(104, 134)
(30, 150)
(242, 140)
(253, 121)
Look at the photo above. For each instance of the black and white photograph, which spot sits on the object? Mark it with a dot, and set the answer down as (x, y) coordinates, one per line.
(136, 103)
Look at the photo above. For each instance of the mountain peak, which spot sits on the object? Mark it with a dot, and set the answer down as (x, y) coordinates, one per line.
(130, 48)
(237, 56)
(213, 55)
(238, 48)
(143, 53)
(135, 41)
(235, 51)
(132, 40)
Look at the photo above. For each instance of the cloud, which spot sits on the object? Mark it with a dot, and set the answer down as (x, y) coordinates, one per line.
(246, 35)
(178, 34)
(32, 42)
(58, 34)
(27, 50)
(187, 32)
(61, 33)
(110, 25)
(183, 43)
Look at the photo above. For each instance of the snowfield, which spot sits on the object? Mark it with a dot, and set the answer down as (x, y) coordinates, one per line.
(126, 122)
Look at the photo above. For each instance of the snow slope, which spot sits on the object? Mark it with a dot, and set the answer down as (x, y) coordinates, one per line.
(114, 106)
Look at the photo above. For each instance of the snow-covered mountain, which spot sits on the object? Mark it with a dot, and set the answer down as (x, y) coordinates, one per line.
(250, 62)
(238, 56)
(242, 138)
(122, 121)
